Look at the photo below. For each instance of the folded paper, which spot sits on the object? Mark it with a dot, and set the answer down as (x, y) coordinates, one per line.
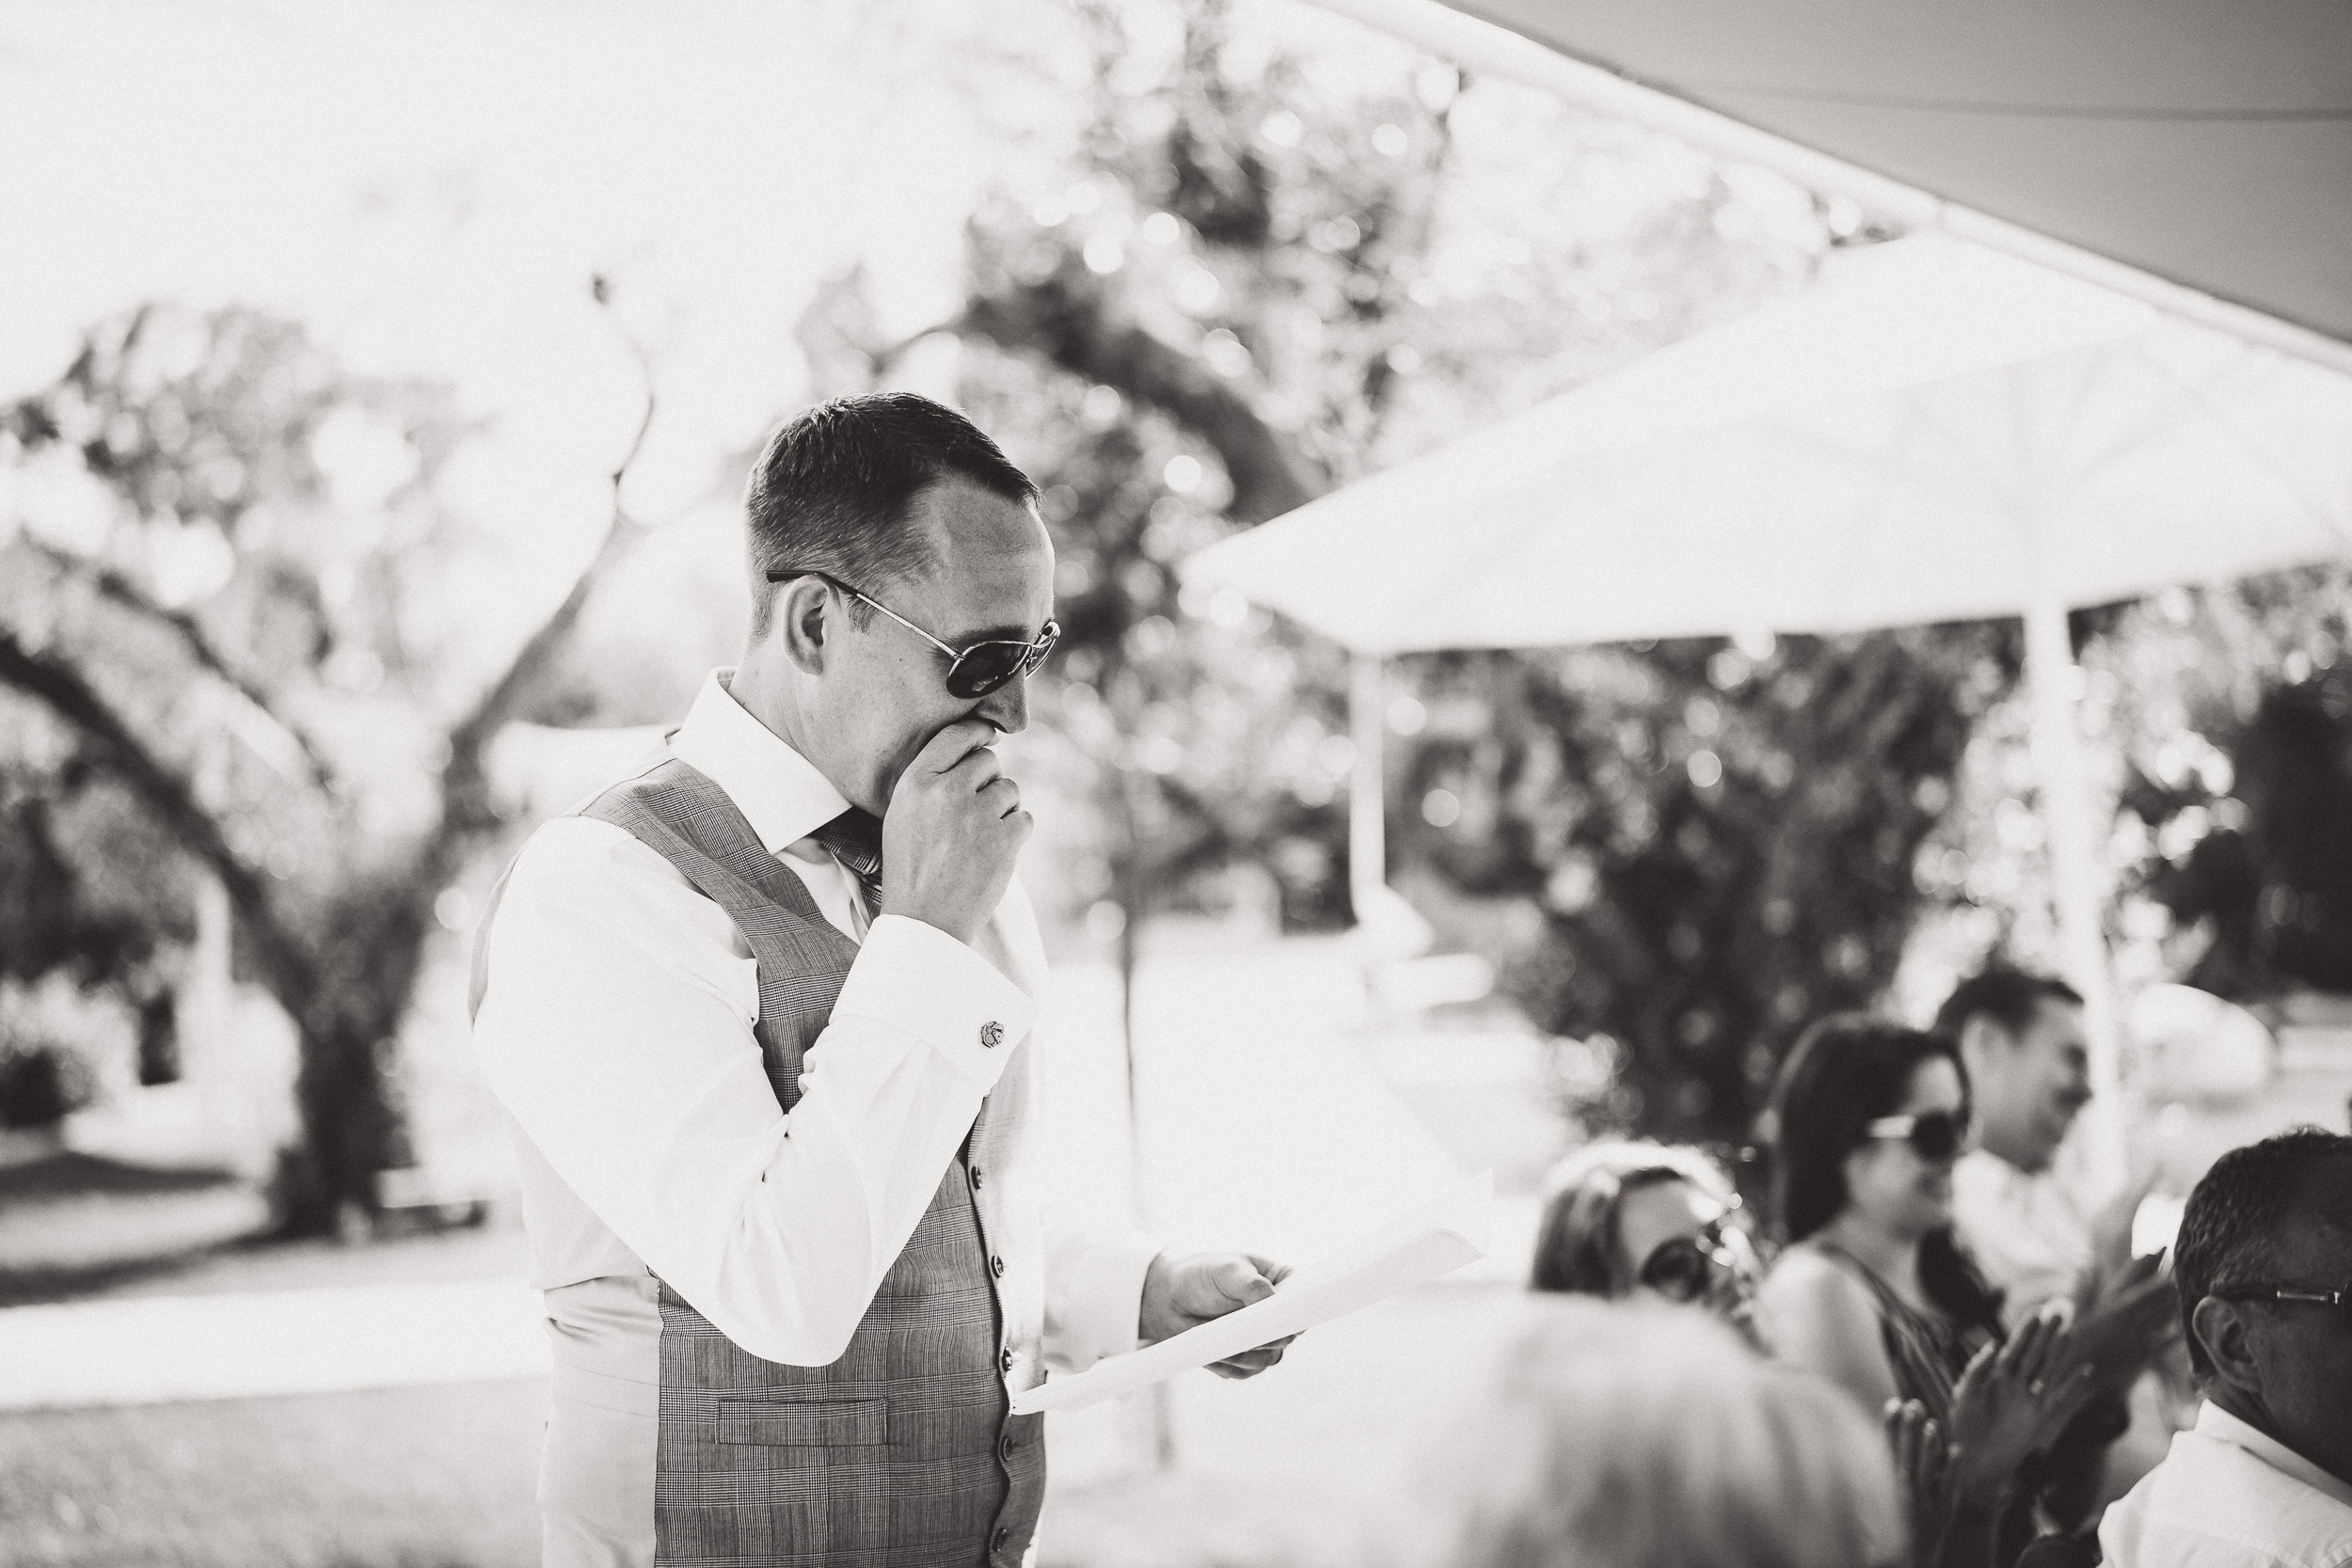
(1413, 1249)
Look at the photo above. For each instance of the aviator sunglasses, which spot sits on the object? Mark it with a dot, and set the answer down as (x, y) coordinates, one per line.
(977, 670)
(1931, 1134)
(1683, 1268)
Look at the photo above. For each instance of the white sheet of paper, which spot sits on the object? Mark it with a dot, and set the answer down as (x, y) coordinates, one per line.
(1414, 1248)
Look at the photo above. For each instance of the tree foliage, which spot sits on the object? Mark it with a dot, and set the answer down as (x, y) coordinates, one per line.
(2233, 710)
(219, 602)
(1253, 279)
(1705, 846)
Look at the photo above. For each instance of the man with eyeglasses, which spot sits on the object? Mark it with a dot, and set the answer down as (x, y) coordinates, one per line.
(2263, 1263)
(761, 1011)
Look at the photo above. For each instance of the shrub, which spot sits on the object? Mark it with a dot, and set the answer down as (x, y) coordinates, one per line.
(60, 1047)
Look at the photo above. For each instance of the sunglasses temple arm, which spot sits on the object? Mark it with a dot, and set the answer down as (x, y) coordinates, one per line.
(909, 625)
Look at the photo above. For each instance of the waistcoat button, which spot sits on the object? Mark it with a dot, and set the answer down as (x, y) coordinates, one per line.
(996, 1541)
(975, 1179)
(1004, 1361)
(997, 1266)
(992, 1033)
(1004, 1446)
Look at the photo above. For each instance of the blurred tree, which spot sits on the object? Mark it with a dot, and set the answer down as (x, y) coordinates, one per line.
(1709, 845)
(1249, 279)
(1253, 277)
(2233, 708)
(71, 902)
(219, 596)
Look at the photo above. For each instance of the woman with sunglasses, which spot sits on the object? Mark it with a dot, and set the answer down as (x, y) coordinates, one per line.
(1647, 1220)
(1873, 1291)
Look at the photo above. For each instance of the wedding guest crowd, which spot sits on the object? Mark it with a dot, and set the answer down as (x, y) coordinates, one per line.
(1928, 1266)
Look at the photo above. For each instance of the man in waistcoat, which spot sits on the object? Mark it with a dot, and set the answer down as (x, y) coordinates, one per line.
(761, 1013)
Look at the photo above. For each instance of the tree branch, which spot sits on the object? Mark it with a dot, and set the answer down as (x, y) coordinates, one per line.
(1070, 322)
(285, 961)
(119, 590)
(465, 805)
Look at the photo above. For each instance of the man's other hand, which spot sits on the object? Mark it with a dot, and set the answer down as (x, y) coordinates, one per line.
(1182, 1289)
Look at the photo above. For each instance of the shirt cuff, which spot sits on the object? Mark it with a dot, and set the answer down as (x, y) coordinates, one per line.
(1095, 1299)
(911, 975)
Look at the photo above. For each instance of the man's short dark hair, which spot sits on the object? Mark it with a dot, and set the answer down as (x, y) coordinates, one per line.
(2007, 996)
(2234, 1231)
(832, 489)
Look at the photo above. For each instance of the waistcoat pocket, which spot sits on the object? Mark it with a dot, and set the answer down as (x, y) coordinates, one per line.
(799, 1423)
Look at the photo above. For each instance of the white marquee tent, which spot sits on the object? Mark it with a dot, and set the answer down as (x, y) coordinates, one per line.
(1932, 432)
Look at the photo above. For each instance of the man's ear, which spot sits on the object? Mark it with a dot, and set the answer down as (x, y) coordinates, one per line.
(802, 621)
(2225, 1329)
(1978, 1035)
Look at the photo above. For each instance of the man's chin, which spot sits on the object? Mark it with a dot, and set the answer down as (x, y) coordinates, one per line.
(2055, 1128)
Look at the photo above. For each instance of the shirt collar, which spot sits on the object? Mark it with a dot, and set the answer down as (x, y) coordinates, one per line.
(2219, 1424)
(779, 791)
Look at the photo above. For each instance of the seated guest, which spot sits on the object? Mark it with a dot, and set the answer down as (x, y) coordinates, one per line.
(1624, 1219)
(1873, 1292)
(1638, 1436)
(2263, 1264)
(2022, 1039)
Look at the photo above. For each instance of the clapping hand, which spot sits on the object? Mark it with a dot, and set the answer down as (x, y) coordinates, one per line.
(2011, 1400)
(2127, 1321)
(2116, 1333)
(1924, 1461)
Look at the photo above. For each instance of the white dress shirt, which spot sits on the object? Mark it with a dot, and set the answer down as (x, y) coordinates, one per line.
(2024, 1228)
(2229, 1495)
(616, 1026)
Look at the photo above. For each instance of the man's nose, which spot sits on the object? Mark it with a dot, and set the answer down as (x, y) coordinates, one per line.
(1007, 706)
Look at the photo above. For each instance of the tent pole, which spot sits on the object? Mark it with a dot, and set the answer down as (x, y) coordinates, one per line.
(1367, 841)
(2051, 676)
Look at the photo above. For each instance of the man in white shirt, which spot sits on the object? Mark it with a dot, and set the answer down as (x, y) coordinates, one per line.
(760, 1013)
(2263, 1263)
(2022, 1038)
(2028, 1062)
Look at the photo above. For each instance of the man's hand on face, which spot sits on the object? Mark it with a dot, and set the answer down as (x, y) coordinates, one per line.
(953, 829)
(1182, 1289)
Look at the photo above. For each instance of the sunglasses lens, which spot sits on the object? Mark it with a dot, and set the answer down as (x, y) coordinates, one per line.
(984, 667)
(1042, 647)
(1677, 1270)
(1936, 1136)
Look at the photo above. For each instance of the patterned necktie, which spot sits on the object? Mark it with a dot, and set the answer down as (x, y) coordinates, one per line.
(854, 838)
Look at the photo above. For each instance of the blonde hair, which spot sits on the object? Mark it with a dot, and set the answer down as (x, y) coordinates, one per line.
(1604, 1435)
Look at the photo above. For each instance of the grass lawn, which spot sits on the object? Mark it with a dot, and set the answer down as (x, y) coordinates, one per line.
(409, 1477)
(404, 1477)
(1274, 1473)
(1271, 1472)
(72, 1227)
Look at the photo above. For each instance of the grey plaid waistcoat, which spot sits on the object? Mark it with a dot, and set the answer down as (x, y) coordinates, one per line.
(903, 1453)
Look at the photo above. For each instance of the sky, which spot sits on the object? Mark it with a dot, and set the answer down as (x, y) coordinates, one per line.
(430, 185)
